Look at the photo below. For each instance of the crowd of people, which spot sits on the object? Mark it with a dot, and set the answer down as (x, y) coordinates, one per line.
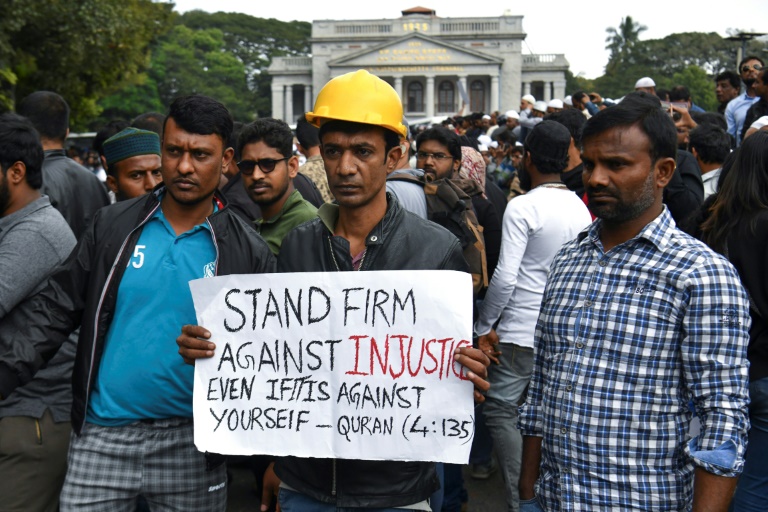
(618, 250)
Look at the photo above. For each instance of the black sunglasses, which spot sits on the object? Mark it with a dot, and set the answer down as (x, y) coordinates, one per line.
(267, 165)
(756, 67)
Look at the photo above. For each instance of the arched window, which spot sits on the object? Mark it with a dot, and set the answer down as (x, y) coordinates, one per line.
(415, 97)
(446, 103)
(477, 96)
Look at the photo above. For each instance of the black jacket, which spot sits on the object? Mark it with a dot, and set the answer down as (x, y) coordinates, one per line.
(401, 241)
(74, 190)
(84, 290)
(685, 191)
(755, 112)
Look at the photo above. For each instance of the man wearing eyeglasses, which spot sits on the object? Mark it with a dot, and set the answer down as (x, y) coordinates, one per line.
(268, 167)
(736, 111)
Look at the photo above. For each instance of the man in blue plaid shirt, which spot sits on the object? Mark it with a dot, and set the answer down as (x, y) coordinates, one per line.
(638, 320)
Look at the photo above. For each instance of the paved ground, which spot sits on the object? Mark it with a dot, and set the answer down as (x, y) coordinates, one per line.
(484, 495)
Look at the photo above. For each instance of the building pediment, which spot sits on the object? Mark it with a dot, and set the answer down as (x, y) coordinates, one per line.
(414, 49)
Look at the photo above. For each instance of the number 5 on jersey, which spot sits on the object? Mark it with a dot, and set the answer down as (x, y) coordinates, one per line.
(137, 253)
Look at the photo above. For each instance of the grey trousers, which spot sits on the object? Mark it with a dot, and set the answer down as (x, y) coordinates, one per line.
(509, 380)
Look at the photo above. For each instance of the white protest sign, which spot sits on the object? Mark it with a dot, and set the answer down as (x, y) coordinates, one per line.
(355, 365)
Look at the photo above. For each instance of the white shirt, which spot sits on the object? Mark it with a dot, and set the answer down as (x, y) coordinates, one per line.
(709, 180)
(534, 227)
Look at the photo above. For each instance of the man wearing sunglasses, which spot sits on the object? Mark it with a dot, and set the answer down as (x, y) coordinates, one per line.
(268, 167)
(736, 111)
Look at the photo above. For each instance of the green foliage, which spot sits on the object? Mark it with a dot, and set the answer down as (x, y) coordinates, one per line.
(689, 58)
(82, 50)
(699, 84)
(255, 42)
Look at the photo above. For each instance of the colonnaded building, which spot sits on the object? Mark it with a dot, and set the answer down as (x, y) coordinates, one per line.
(435, 64)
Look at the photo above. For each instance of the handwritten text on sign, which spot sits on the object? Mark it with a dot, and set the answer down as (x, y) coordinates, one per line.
(355, 365)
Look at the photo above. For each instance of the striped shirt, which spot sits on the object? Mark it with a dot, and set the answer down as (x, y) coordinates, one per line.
(624, 342)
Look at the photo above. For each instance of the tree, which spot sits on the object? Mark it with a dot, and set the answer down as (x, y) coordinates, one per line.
(185, 61)
(255, 42)
(622, 40)
(82, 50)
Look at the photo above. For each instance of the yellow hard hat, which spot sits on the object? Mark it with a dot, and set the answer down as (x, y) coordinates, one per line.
(359, 97)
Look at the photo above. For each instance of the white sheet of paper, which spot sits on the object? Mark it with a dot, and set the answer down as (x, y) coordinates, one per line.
(355, 365)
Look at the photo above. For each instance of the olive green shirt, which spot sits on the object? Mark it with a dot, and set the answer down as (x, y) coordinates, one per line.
(295, 211)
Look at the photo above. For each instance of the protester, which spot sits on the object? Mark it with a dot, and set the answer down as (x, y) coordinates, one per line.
(727, 85)
(73, 190)
(710, 146)
(309, 146)
(736, 111)
(268, 167)
(127, 280)
(574, 121)
(34, 239)
(535, 226)
(637, 320)
(760, 107)
(645, 84)
(132, 159)
(738, 229)
(364, 231)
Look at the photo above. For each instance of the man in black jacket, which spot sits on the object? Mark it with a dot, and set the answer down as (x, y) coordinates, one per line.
(73, 190)
(127, 283)
(360, 119)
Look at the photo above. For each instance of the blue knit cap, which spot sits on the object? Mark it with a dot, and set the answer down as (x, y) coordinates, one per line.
(130, 142)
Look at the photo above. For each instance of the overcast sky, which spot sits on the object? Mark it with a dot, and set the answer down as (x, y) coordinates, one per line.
(576, 29)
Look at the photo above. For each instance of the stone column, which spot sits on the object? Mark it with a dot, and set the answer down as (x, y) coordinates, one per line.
(547, 91)
(526, 88)
(277, 101)
(463, 82)
(308, 98)
(495, 93)
(430, 102)
(399, 87)
(289, 104)
(559, 89)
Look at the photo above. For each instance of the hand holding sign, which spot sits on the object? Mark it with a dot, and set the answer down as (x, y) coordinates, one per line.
(335, 365)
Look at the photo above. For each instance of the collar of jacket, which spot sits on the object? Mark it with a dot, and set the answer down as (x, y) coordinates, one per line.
(329, 215)
(153, 199)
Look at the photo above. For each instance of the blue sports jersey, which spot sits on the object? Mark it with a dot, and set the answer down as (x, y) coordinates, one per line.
(141, 375)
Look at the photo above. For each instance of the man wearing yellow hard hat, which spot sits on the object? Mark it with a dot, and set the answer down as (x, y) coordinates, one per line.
(361, 130)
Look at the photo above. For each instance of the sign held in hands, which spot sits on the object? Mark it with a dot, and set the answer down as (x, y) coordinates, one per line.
(355, 365)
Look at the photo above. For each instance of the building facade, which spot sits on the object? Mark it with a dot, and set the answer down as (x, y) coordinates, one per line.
(438, 66)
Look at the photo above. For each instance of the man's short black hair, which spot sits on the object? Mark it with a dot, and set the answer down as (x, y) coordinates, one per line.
(662, 94)
(307, 133)
(391, 139)
(638, 109)
(201, 115)
(48, 113)
(711, 143)
(506, 136)
(272, 132)
(113, 127)
(150, 121)
(20, 142)
(679, 93)
(445, 137)
(577, 96)
(749, 58)
(733, 78)
(571, 119)
(710, 118)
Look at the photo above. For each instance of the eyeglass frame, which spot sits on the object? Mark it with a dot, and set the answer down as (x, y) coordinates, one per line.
(423, 155)
(756, 67)
(257, 163)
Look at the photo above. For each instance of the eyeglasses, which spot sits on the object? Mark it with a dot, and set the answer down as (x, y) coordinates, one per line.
(421, 155)
(756, 67)
(267, 165)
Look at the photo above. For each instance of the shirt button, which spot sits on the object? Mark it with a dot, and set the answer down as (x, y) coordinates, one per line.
(563, 430)
(374, 238)
(579, 345)
(587, 303)
(602, 263)
(568, 387)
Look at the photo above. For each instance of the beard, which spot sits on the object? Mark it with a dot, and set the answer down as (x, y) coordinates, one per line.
(622, 210)
(749, 82)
